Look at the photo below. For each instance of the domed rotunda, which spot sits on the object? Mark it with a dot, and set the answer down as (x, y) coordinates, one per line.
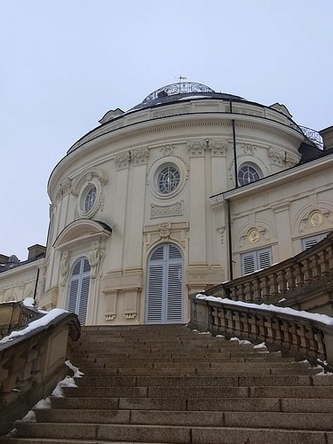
(187, 189)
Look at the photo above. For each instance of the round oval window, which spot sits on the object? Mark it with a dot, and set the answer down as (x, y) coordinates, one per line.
(168, 179)
(90, 199)
(247, 174)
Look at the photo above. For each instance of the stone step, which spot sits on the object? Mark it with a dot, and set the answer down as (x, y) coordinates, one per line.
(166, 384)
(195, 381)
(167, 434)
(305, 421)
(208, 369)
(297, 405)
(173, 357)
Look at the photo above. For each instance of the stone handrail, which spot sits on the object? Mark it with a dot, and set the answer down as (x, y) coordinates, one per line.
(33, 362)
(15, 315)
(308, 275)
(299, 333)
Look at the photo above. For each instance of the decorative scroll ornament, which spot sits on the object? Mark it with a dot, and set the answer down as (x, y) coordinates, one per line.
(122, 160)
(64, 268)
(139, 156)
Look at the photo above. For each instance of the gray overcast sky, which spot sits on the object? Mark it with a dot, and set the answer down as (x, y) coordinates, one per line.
(64, 63)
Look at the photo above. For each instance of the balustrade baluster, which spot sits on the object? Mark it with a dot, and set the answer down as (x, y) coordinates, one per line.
(274, 284)
(329, 251)
(234, 292)
(307, 269)
(324, 262)
(282, 281)
(298, 274)
(315, 266)
(241, 292)
(264, 285)
(256, 289)
(248, 291)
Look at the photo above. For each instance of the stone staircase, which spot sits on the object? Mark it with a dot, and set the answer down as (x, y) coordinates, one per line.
(166, 384)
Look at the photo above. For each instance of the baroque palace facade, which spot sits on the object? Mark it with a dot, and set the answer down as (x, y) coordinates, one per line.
(189, 188)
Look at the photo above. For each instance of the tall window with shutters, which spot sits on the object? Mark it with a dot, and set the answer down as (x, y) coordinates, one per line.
(164, 301)
(79, 289)
(255, 260)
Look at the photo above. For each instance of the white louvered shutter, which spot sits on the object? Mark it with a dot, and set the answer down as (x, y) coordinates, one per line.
(79, 289)
(248, 263)
(165, 287)
(255, 260)
(155, 294)
(309, 242)
(264, 258)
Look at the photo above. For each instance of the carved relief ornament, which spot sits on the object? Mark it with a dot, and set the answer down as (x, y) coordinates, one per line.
(139, 156)
(197, 148)
(167, 150)
(63, 189)
(167, 232)
(122, 160)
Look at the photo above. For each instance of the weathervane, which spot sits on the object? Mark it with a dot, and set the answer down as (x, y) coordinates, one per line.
(180, 78)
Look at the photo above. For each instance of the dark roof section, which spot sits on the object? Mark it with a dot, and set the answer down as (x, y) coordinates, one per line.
(311, 152)
(181, 91)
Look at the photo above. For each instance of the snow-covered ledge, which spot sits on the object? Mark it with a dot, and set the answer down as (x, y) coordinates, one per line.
(301, 333)
(32, 362)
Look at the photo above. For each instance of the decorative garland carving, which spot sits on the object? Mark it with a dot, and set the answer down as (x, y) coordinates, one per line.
(167, 150)
(176, 209)
(248, 149)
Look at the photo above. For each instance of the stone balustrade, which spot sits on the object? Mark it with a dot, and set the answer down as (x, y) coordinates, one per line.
(32, 364)
(15, 315)
(301, 334)
(240, 307)
(304, 282)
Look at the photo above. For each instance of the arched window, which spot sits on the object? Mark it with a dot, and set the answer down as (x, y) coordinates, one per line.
(164, 302)
(79, 289)
(248, 173)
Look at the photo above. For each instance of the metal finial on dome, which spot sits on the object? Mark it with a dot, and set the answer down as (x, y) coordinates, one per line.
(178, 88)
